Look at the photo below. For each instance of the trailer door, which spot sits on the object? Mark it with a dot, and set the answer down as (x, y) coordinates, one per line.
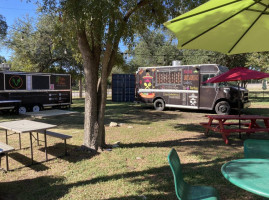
(207, 93)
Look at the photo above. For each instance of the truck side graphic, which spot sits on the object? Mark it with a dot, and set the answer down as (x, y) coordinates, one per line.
(181, 87)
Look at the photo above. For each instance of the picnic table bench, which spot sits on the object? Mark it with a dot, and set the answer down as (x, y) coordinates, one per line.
(225, 128)
(4, 150)
(56, 135)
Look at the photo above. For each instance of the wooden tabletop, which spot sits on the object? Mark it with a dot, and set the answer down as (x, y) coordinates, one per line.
(24, 126)
(246, 117)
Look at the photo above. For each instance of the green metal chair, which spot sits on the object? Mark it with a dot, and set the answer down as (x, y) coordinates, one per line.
(184, 191)
(256, 148)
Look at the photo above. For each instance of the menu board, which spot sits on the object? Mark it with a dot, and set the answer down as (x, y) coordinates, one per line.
(60, 82)
(40, 82)
(175, 77)
(15, 82)
(166, 77)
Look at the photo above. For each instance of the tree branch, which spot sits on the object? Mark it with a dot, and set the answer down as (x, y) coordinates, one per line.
(133, 9)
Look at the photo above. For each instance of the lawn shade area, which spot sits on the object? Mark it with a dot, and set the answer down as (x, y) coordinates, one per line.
(137, 169)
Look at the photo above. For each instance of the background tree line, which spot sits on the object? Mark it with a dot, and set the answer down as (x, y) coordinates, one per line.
(83, 37)
(42, 47)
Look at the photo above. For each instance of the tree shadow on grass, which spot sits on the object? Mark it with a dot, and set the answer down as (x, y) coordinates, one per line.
(254, 98)
(27, 162)
(185, 142)
(233, 137)
(257, 111)
(74, 154)
(145, 117)
(120, 113)
(74, 121)
(159, 179)
(190, 128)
(196, 141)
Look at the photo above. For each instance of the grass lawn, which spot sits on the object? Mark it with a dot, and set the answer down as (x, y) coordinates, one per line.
(137, 169)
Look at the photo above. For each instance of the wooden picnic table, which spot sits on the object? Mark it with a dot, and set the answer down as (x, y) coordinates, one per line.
(27, 126)
(226, 124)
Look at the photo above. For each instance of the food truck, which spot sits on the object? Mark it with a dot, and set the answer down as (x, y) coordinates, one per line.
(22, 91)
(182, 86)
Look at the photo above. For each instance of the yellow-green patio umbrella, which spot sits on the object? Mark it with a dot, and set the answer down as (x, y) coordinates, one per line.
(227, 26)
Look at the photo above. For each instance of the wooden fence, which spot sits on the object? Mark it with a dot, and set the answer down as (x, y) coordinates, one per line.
(258, 94)
(75, 94)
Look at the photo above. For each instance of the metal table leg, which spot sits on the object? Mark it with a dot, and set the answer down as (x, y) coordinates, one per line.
(6, 137)
(7, 161)
(20, 139)
(37, 136)
(31, 144)
(45, 139)
(65, 151)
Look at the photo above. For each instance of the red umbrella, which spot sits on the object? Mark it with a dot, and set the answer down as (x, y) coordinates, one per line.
(238, 74)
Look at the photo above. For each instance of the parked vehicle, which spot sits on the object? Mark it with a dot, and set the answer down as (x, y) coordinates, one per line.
(182, 87)
(21, 91)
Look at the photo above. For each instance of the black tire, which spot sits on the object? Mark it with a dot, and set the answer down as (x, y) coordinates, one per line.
(22, 110)
(36, 108)
(159, 105)
(223, 108)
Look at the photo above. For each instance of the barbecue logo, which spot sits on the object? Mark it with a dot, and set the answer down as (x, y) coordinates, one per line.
(148, 85)
(15, 82)
(193, 99)
(148, 81)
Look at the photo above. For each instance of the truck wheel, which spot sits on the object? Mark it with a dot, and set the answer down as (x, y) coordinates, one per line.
(36, 108)
(22, 110)
(159, 105)
(223, 108)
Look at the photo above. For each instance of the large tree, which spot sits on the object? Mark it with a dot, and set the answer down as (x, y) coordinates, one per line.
(98, 26)
(39, 46)
(2, 59)
(3, 32)
(154, 48)
(259, 61)
(203, 57)
(3, 27)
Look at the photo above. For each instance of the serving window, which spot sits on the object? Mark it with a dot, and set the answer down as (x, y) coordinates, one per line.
(206, 77)
(40, 82)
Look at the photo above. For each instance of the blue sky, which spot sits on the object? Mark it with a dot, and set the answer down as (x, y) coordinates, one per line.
(13, 9)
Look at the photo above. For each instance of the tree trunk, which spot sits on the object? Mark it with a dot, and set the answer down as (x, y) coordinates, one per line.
(102, 95)
(91, 126)
(80, 87)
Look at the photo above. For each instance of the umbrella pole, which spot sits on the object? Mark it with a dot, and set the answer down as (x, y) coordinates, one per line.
(239, 108)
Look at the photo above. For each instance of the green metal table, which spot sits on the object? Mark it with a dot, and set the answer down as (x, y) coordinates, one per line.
(249, 174)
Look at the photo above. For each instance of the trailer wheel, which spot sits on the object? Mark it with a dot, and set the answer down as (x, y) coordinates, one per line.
(159, 105)
(22, 110)
(36, 108)
(223, 108)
